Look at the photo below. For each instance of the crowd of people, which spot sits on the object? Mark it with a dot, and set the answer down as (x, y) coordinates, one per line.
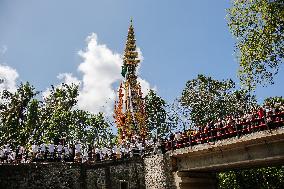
(232, 126)
(79, 153)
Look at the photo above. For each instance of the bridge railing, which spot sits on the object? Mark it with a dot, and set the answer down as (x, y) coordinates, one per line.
(235, 129)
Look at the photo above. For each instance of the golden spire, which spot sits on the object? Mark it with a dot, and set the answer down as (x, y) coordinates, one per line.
(130, 53)
(129, 113)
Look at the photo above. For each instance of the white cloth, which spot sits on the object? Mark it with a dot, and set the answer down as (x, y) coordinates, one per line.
(114, 149)
(34, 148)
(104, 150)
(51, 148)
(21, 150)
(178, 136)
(78, 148)
(122, 149)
(59, 148)
(140, 147)
(66, 150)
(97, 150)
(42, 147)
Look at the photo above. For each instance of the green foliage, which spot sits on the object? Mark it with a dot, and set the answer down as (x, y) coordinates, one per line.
(17, 111)
(270, 177)
(208, 99)
(258, 26)
(25, 119)
(178, 116)
(155, 108)
(275, 102)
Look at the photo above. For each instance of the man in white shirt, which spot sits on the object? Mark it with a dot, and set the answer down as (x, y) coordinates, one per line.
(78, 147)
(98, 155)
(43, 151)
(51, 151)
(2, 155)
(35, 151)
(59, 151)
(42, 148)
(104, 152)
(114, 149)
(118, 153)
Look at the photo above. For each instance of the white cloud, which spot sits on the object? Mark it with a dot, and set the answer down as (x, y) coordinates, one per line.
(140, 55)
(101, 71)
(68, 78)
(145, 86)
(8, 78)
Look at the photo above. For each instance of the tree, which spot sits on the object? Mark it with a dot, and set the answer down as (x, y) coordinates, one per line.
(258, 27)
(61, 118)
(275, 102)
(208, 99)
(270, 177)
(155, 108)
(57, 118)
(14, 114)
(26, 120)
(178, 116)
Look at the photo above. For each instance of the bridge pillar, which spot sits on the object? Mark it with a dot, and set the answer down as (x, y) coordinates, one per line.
(195, 180)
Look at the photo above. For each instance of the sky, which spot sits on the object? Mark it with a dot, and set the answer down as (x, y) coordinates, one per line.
(47, 42)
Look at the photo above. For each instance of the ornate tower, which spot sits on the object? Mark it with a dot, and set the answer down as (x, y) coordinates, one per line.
(129, 110)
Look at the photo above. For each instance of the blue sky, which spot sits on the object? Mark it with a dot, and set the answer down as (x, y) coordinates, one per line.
(178, 40)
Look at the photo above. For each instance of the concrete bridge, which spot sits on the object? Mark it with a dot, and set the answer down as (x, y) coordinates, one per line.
(196, 166)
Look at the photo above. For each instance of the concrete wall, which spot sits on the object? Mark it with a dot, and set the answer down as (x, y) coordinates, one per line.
(152, 172)
(61, 175)
(158, 172)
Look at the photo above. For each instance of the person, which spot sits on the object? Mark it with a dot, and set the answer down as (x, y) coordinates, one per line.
(118, 153)
(85, 156)
(2, 155)
(59, 152)
(109, 153)
(98, 154)
(11, 157)
(35, 152)
(51, 151)
(238, 127)
(172, 137)
(260, 113)
(122, 150)
(103, 153)
(177, 140)
(66, 153)
(212, 131)
(78, 147)
(18, 155)
(126, 151)
(114, 150)
(90, 153)
(43, 151)
(140, 149)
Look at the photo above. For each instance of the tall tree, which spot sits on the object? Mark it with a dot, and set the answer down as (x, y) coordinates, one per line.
(208, 99)
(258, 27)
(57, 118)
(61, 118)
(17, 112)
(155, 108)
